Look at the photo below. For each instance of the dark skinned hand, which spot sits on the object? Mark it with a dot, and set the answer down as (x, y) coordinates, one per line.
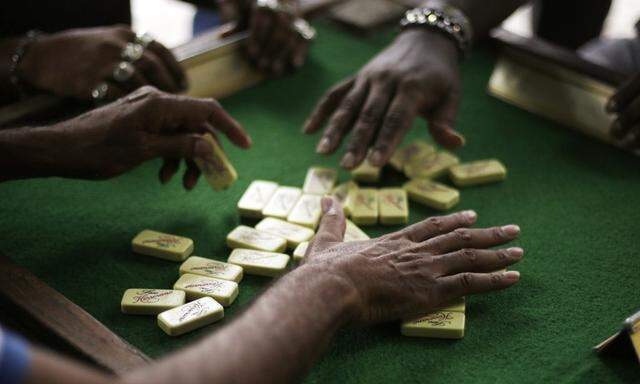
(274, 46)
(72, 63)
(411, 272)
(144, 125)
(417, 75)
(626, 105)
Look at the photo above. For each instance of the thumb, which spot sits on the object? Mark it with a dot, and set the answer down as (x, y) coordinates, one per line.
(230, 29)
(332, 225)
(442, 119)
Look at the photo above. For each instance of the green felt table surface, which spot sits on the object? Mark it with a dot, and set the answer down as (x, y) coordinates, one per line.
(575, 199)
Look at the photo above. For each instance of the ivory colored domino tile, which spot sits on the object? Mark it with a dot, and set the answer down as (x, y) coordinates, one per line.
(211, 268)
(430, 166)
(409, 152)
(260, 263)
(217, 169)
(366, 172)
(247, 237)
(256, 197)
(432, 194)
(293, 233)
(319, 181)
(282, 202)
(191, 316)
(140, 301)
(307, 211)
(441, 325)
(353, 233)
(196, 286)
(162, 245)
(393, 206)
(454, 306)
(365, 207)
(478, 172)
(344, 194)
(300, 251)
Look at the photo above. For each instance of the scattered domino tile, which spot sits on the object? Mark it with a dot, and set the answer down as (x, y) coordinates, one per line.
(432, 194)
(353, 233)
(344, 194)
(454, 306)
(430, 166)
(282, 202)
(139, 301)
(247, 237)
(211, 268)
(217, 169)
(365, 206)
(293, 233)
(366, 172)
(393, 206)
(196, 286)
(319, 181)
(260, 263)
(441, 324)
(191, 316)
(307, 211)
(409, 152)
(255, 198)
(478, 172)
(300, 251)
(162, 245)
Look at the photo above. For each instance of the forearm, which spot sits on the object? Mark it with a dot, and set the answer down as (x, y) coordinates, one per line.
(276, 340)
(28, 152)
(484, 16)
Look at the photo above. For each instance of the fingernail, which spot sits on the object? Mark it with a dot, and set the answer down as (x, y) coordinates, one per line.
(511, 230)
(323, 146)
(470, 215)
(348, 161)
(512, 276)
(461, 140)
(612, 106)
(516, 252)
(376, 158)
(327, 206)
(202, 149)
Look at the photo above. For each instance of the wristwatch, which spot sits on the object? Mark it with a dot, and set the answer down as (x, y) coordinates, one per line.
(444, 18)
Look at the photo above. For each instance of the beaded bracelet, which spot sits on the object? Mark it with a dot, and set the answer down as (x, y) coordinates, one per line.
(16, 59)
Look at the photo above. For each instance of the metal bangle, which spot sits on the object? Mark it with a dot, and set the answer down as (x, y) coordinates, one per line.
(16, 59)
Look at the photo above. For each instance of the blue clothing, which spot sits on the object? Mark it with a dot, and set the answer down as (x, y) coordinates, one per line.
(14, 358)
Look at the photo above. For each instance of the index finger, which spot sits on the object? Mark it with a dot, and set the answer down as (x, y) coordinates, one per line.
(624, 95)
(327, 105)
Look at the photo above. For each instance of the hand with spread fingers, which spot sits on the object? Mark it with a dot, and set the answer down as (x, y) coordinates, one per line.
(102, 63)
(278, 37)
(117, 137)
(625, 104)
(411, 272)
(417, 75)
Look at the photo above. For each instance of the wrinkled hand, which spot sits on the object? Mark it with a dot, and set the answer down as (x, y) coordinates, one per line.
(626, 104)
(416, 75)
(411, 272)
(72, 63)
(274, 45)
(111, 140)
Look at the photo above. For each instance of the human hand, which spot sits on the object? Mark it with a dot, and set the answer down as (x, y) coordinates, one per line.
(73, 63)
(414, 271)
(275, 44)
(626, 105)
(111, 140)
(417, 75)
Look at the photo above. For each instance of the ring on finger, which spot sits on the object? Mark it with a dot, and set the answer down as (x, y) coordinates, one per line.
(132, 52)
(99, 93)
(123, 71)
(304, 29)
(144, 39)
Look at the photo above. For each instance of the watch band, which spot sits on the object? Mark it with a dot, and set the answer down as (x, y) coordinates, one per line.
(445, 18)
